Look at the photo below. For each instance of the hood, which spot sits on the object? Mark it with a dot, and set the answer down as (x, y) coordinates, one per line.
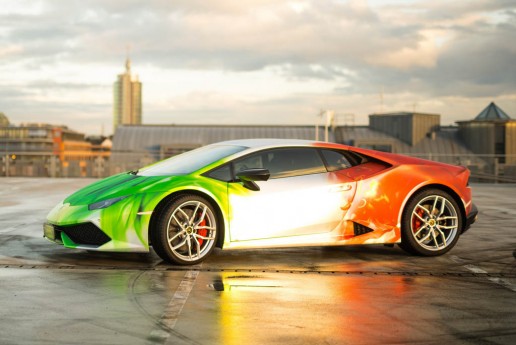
(115, 186)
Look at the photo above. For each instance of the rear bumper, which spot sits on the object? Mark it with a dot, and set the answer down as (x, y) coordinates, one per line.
(471, 218)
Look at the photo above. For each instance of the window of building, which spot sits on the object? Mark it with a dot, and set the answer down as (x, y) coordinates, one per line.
(500, 143)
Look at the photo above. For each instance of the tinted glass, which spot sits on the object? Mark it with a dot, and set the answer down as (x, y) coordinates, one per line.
(222, 173)
(284, 162)
(335, 160)
(249, 162)
(191, 161)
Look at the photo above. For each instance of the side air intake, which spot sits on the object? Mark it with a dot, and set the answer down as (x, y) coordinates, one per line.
(360, 229)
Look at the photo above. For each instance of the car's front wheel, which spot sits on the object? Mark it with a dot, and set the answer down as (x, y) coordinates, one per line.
(431, 223)
(186, 230)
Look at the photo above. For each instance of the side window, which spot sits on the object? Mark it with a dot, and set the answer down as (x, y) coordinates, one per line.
(293, 162)
(254, 161)
(222, 173)
(284, 162)
(335, 160)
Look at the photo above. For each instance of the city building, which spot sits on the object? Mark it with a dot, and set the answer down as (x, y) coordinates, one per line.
(415, 134)
(410, 128)
(4, 121)
(492, 135)
(127, 99)
(486, 144)
(39, 149)
(491, 132)
(136, 146)
(405, 133)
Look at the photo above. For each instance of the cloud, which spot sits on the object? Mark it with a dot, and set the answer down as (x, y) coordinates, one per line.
(10, 50)
(425, 50)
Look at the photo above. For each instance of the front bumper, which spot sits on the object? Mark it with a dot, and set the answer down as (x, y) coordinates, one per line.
(471, 218)
(118, 228)
(77, 235)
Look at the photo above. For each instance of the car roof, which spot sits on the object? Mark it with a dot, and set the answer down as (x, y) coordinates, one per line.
(267, 142)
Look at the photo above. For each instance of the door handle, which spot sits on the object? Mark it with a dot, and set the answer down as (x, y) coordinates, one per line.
(342, 188)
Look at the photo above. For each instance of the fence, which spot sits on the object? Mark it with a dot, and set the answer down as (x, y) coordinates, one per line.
(484, 168)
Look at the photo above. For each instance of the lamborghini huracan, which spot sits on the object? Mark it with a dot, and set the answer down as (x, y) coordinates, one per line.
(263, 193)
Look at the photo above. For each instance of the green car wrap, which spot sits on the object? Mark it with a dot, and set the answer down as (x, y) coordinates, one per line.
(126, 222)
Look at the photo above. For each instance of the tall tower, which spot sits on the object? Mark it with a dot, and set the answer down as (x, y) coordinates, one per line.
(127, 94)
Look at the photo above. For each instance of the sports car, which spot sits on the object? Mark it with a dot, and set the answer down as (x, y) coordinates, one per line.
(263, 193)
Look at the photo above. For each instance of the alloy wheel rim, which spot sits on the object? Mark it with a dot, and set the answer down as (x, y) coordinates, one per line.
(191, 230)
(434, 223)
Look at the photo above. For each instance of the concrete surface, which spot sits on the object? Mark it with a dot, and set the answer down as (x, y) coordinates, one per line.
(346, 295)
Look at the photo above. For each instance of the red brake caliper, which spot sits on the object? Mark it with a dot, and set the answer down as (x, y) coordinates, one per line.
(416, 223)
(202, 232)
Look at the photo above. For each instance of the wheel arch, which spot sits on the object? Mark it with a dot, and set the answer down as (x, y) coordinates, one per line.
(174, 195)
(442, 187)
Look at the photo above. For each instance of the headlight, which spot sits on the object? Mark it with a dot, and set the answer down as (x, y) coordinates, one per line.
(105, 203)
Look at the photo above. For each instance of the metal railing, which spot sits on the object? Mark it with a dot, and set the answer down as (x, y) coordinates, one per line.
(484, 168)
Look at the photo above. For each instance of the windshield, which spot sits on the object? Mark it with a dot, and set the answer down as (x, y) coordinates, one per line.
(190, 161)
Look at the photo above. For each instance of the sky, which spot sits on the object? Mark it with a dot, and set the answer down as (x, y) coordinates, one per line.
(256, 61)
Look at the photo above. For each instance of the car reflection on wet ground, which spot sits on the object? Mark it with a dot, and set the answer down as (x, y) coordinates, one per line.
(339, 295)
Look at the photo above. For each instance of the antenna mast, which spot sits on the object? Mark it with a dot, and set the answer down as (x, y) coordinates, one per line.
(381, 100)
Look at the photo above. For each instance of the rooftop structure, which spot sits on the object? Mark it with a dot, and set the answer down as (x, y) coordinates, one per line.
(442, 145)
(492, 113)
(415, 134)
(491, 132)
(135, 146)
(410, 128)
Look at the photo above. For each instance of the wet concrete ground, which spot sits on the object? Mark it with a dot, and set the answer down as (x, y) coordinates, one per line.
(347, 295)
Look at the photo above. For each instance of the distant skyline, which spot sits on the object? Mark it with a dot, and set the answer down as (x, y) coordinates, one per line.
(255, 61)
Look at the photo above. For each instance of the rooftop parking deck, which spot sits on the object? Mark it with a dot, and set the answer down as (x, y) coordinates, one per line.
(340, 295)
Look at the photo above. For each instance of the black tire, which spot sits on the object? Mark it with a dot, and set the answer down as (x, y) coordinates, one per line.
(431, 223)
(186, 230)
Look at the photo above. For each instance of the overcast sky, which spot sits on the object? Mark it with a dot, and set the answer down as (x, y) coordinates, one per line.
(256, 61)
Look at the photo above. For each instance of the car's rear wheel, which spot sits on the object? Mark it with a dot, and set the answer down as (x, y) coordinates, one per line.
(431, 223)
(186, 230)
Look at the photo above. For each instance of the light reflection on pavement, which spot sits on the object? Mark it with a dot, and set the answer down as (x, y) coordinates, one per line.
(355, 295)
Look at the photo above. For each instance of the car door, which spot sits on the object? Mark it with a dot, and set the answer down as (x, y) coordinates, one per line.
(301, 197)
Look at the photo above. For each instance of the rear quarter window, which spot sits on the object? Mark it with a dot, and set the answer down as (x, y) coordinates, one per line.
(336, 160)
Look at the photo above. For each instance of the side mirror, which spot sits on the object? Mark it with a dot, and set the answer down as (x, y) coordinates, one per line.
(250, 175)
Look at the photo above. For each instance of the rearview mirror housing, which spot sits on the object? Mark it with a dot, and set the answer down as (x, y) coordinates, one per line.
(249, 176)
